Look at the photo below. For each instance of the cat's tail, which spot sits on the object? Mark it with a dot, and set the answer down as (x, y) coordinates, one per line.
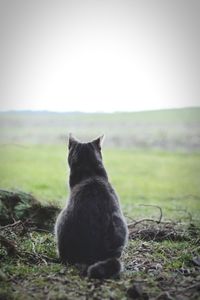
(105, 269)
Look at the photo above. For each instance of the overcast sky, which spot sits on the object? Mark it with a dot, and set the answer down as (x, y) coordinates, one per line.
(99, 55)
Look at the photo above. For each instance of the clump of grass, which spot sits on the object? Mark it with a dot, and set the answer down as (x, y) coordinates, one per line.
(20, 206)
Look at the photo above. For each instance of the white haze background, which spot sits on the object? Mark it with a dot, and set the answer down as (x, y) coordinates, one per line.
(99, 55)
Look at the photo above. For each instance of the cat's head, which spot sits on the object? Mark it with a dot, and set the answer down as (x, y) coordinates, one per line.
(84, 155)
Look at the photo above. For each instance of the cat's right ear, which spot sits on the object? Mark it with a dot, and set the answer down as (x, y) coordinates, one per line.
(98, 142)
(72, 141)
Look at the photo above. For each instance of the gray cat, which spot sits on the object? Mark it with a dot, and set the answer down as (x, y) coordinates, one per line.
(91, 229)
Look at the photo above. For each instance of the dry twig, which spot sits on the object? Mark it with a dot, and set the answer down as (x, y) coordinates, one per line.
(16, 223)
(133, 224)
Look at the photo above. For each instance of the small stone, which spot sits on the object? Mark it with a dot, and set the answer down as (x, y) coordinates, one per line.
(158, 267)
(62, 271)
(196, 261)
(136, 292)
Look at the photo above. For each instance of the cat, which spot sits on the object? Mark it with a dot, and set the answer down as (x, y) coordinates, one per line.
(91, 229)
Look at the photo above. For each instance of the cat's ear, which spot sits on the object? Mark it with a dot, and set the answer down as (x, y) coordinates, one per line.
(72, 141)
(98, 142)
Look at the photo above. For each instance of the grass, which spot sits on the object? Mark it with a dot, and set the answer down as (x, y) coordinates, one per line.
(157, 267)
(170, 180)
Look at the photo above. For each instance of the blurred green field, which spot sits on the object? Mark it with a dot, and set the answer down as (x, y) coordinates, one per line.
(167, 179)
(171, 130)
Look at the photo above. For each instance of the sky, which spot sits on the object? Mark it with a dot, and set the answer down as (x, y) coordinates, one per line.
(99, 55)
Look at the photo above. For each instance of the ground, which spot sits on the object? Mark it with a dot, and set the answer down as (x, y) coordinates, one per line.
(165, 269)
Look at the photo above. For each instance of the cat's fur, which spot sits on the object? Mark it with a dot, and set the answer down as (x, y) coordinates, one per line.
(91, 229)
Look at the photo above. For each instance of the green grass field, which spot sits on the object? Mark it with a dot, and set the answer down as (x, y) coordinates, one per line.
(170, 180)
(152, 159)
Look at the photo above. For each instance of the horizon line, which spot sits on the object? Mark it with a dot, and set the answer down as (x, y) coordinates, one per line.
(93, 112)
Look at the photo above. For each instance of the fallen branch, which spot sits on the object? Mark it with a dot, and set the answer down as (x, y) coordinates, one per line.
(160, 209)
(16, 223)
(130, 225)
(133, 224)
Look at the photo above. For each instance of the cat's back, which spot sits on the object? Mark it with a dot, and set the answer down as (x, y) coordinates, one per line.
(95, 189)
(92, 204)
(92, 222)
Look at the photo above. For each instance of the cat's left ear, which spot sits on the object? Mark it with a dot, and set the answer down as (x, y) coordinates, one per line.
(99, 141)
(72, 141)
